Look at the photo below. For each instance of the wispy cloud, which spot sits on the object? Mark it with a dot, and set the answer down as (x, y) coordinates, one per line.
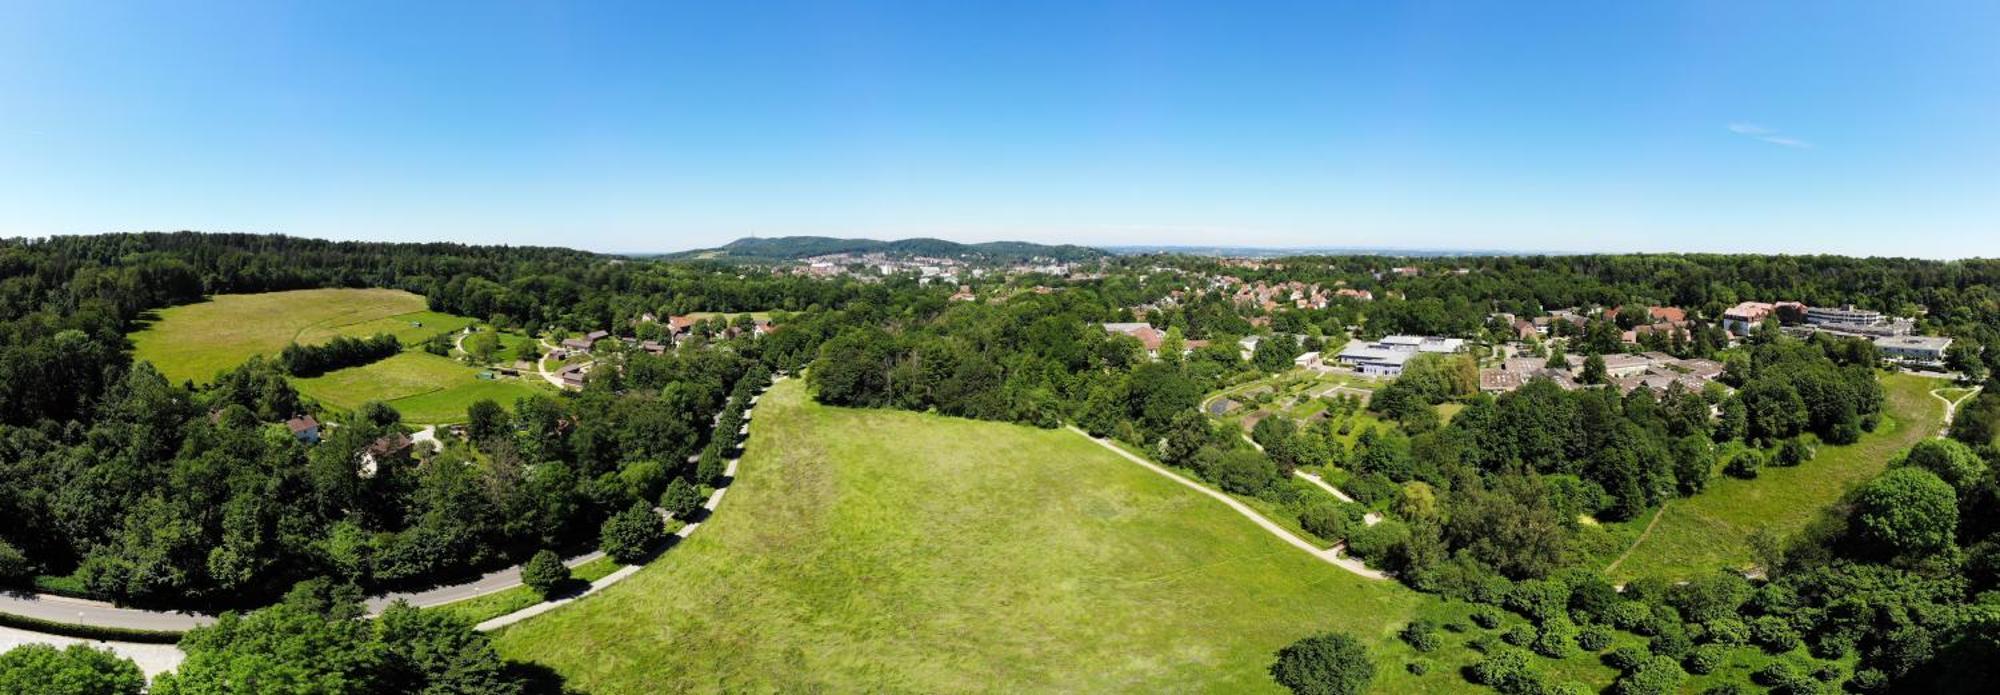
(1759, 132)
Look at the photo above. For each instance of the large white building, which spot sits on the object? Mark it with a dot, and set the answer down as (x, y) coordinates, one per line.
(1920, 349)
(1386, 357)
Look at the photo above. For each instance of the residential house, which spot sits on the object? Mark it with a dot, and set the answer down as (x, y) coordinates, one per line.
(304, 428)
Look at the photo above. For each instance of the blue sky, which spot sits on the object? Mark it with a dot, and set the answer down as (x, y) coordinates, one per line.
(1858, 128)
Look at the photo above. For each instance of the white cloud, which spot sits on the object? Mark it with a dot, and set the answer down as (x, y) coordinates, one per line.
(1759, 132)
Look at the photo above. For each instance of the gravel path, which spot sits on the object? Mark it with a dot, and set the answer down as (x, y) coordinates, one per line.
(1333, 556)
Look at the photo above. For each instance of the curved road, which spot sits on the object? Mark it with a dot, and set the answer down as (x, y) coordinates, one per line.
(1333, 556)
(154, 658)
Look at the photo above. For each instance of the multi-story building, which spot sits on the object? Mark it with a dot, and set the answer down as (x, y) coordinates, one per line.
(1926, 350)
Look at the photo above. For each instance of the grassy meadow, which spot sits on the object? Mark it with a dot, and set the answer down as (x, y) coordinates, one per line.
(425, 388)
(895, 551)
(1711, 530)
(195, 341)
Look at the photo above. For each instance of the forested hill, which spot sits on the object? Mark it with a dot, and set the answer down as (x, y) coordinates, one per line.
(797, 247)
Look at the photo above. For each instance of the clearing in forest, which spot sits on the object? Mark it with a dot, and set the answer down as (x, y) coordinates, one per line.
(195, 341)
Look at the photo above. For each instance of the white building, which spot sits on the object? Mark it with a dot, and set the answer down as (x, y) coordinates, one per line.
(1386, 357)
(1919, 349)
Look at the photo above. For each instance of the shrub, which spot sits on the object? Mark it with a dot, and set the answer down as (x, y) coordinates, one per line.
(1558, 638)
(1773, 634)
(1376, 543)
(1625, 658)
(1486, 618)
(1744, 465)
(1629, 615)
(1593, 639)
(1826, 673)
(1868, 680)
(1656, 676)
(1777, 674)
(1729, 632)
(1706, 658)
(1329, 663)
(1519, 635)
(1421, 635)
(1793, 452)
(1539, 599)
(1324, 518)
(545, 573)
(1502, 668)
(1672, 643)
(1725, 689)
(1418, 667)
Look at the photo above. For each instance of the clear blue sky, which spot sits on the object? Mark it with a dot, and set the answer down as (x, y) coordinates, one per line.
(1860, 128)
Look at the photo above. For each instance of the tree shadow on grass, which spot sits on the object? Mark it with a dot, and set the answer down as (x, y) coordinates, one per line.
(536, 679)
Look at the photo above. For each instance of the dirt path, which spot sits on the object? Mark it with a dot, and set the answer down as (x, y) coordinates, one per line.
(1951, 406)
(1641, 540)
(1333, 556)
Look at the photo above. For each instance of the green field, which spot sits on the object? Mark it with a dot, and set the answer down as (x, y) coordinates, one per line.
(965, 556)
(1711, 529)
(425, 388)
(195, 341)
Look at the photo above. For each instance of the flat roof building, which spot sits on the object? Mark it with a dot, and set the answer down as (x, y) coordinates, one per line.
(1921, 349)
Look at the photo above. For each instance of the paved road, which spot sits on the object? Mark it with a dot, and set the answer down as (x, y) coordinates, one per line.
(1332, 556)
(542, 363)
(497, 580)
(63, 609)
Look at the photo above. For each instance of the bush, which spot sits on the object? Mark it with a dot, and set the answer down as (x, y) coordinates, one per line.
(1324, 518)
(630, 535)
(1376, 543)
(1744, 465)
(1558, 638)
(1486, 618)
(1868, 680)
(1329, 663)
(1773, 634)
(1629, 615)
(1656, 676)
(1418, 667)
(1706, 658)
(545, 573)
(1625, 658)
(1421, 635)
(1793, 452)
(1672, 643)
(1729, 632)
(1519, 635)
(1593, 639)
(1505, 670)
(1539, 599)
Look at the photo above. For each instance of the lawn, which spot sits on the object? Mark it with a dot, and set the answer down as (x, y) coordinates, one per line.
(889, 551)
(480, 609)
(195, 341)
(425, 388)
(1711, 529)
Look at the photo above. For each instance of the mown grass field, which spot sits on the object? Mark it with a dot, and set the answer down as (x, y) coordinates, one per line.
(425, 388)
(1711, 530)
(195, 341)
(889, 551)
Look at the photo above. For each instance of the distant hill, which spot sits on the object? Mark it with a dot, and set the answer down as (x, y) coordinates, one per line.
(791, 248)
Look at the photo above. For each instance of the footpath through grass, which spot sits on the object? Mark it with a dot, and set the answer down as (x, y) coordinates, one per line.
(1711, 530)
(889, 551)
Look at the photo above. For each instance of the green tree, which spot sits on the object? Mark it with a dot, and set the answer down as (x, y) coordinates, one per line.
(1907, 511)
(40, 669)
(1330, 663)
(1954, 462)
(681, 499)
(545, 573)
(486, 420)
(1594, 370)
(630, 535)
